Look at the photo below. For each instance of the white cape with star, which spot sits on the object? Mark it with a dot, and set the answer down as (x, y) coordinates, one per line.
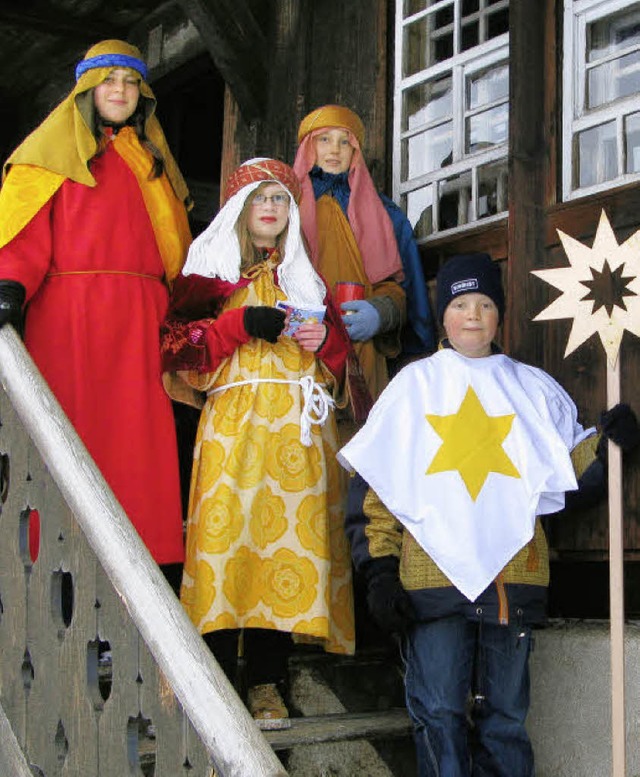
(470, 540)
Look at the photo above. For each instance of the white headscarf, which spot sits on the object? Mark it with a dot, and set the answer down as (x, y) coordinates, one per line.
(215, 253)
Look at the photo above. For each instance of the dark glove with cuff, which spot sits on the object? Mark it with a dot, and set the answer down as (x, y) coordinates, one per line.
(389, 603)
(12, 296)
(620, 425)
(264, 322)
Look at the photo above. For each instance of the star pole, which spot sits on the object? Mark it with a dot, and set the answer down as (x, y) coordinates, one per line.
(601, 293)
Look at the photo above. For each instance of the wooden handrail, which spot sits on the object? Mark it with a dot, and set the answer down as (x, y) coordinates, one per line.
(236, 746)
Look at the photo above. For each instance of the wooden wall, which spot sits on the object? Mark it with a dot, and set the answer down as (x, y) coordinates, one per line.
(319, 53)
(535, 215)
(341, 52)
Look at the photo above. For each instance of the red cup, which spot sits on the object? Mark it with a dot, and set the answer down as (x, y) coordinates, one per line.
(346, 291)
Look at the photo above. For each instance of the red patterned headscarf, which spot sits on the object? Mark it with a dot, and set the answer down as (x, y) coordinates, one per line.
(263, 170)
(215, 253)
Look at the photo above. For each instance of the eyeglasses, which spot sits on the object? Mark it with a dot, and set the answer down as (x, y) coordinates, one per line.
(278, 200)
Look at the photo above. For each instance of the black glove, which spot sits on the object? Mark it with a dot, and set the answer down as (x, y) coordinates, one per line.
(264, 322)
(619, 425)
(592, 486)
(388, 601)
(12, 296)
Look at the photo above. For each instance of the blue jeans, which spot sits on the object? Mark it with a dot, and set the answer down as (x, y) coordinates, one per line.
(452, 662)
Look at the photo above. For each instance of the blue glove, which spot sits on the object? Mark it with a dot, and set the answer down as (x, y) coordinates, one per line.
(364, 323)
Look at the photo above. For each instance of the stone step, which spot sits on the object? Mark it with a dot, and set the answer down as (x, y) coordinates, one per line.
(340, 727)
(371, 680)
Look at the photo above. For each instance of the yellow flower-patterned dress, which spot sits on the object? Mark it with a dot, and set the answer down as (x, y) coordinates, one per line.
(266, 546)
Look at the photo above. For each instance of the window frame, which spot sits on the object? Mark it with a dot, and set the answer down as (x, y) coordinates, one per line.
(576, 117)
(458, 67)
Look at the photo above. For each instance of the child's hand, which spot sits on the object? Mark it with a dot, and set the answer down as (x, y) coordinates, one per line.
(310, 336)
(388, 601)
(264, 322)
(620, 425)
(362, 320)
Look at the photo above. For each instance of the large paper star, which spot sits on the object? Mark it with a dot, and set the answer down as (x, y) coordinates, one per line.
(600, 289)
(472, 444)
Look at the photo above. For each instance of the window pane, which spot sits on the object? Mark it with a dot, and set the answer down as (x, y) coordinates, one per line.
(632, 143)
(426, 42)
(618, 78)
(412, 6)
(414, 48)
(455, 201)
(486, 129)
(498, 23)
(415, 6)
(487, 86)
(470, 35)
(419, 208)
(427, 151)
(426, 103)
(613, 33)
(444, 17)
(493, 190)
(595, 155)
(470, 6)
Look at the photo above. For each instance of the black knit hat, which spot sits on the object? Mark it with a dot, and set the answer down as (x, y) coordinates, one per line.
(465, 274)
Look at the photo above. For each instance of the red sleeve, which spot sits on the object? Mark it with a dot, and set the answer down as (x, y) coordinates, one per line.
(201, 345)
(224, 335)
(27, 257)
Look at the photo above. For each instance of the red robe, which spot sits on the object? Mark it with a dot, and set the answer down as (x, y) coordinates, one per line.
(94, 334)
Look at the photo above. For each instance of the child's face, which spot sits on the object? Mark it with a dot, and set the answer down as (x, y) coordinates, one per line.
(117, 96)
(268, 214)
(471, 321)
(333, 150)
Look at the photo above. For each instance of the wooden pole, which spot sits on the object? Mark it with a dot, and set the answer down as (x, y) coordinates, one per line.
(616, 587)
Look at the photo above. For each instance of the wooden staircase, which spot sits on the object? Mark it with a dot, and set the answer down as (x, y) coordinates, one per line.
(348, 717)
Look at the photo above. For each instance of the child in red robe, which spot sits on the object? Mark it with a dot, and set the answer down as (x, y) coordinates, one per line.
(93, 229)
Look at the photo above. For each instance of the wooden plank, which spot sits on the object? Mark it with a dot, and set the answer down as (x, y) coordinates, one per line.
(237, 46)
(347, 64)
(579, 218)
(552, 106)
(14, 578)
(341, 727)
(220, 718)
(51, 23)
(12, 760)
(616, 588)
(527, 160)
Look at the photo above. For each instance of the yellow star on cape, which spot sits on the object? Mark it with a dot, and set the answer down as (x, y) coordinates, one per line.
(472, 444)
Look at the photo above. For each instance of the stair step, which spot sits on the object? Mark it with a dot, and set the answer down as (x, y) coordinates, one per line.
(340, 727)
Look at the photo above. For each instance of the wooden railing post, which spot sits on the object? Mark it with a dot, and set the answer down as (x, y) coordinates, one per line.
(235, 745)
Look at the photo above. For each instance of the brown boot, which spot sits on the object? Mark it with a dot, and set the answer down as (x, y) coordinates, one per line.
(267, 707)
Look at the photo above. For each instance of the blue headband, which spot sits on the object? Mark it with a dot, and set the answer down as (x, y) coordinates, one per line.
(112, 60)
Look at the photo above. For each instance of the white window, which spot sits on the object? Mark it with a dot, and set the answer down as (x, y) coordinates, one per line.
(451, 112)
(601, 97)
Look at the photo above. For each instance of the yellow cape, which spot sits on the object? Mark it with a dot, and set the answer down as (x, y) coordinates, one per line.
(62, 146)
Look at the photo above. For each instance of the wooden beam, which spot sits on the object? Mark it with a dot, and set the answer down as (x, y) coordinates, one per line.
(81, 30)
(237, 46)
(527, 169)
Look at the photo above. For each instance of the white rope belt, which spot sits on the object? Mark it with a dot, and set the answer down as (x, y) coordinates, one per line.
(315, 408)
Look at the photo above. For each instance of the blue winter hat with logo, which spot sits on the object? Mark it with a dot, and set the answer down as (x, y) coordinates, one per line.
(467, 274)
